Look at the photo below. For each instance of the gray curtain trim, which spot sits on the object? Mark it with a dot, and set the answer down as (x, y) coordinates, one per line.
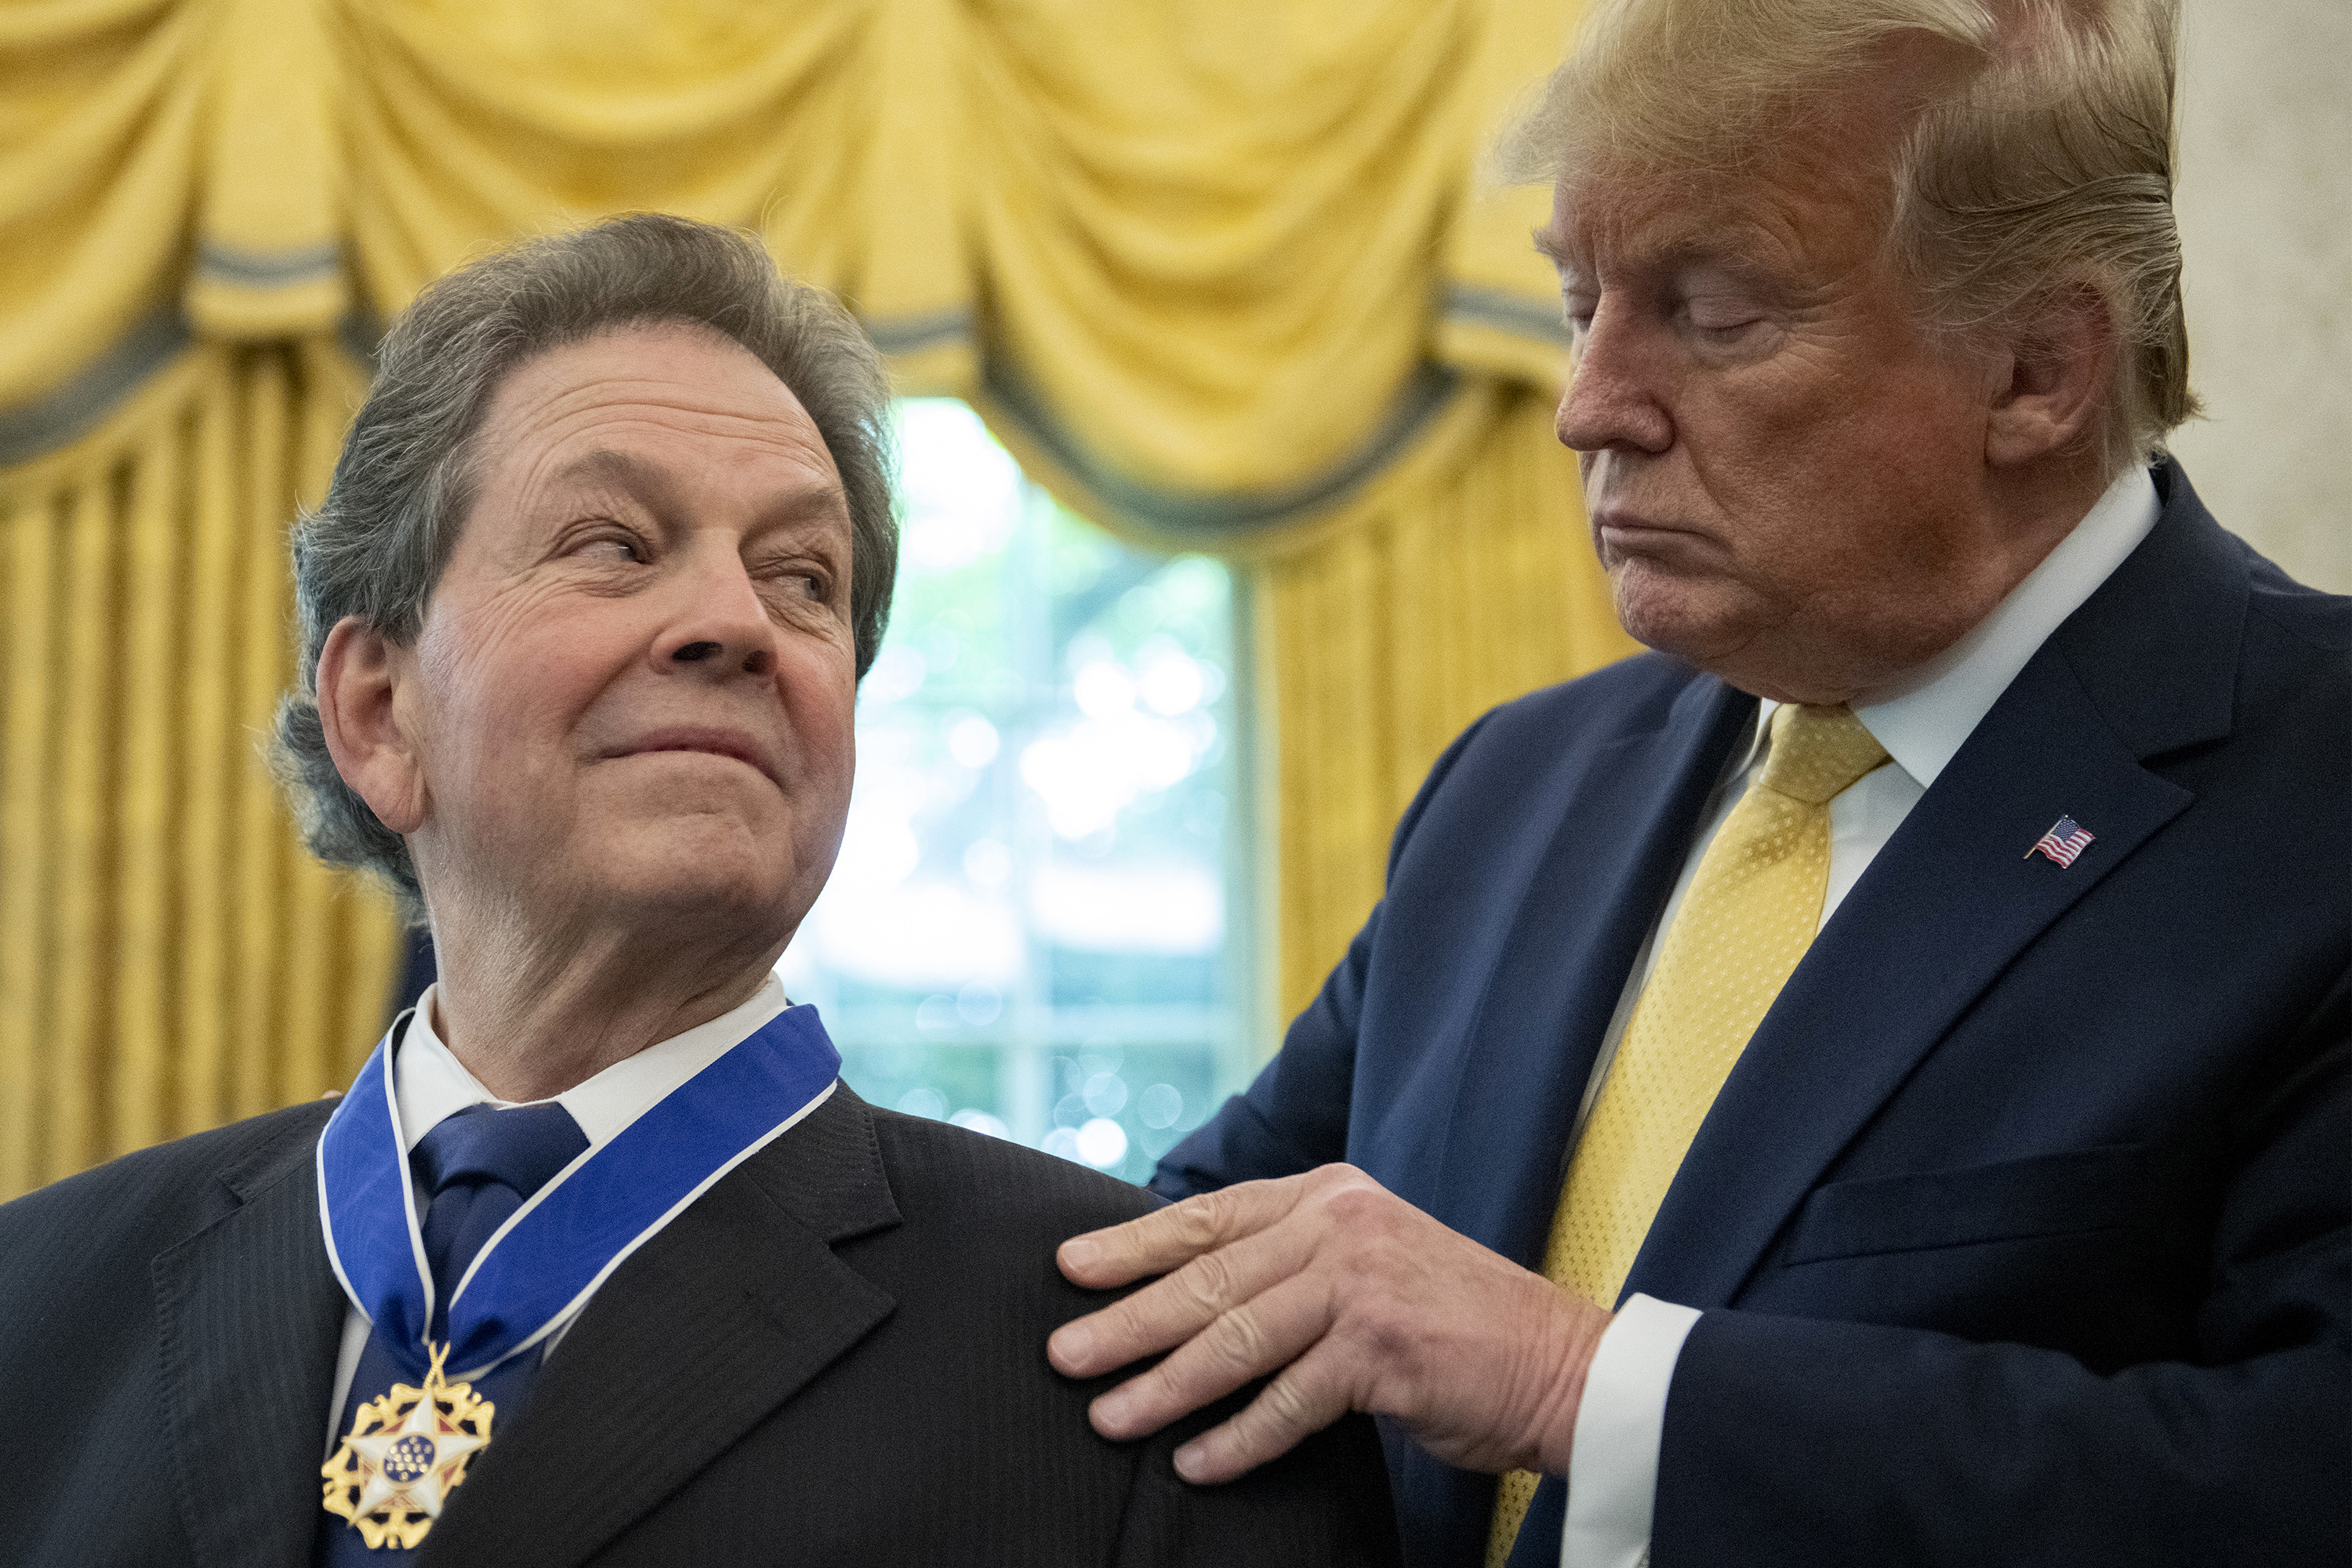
(913, 334)
(64, 414)
(1512, 313)
(67, 413)
(361, 332)
(1212, 517)
(273, 269)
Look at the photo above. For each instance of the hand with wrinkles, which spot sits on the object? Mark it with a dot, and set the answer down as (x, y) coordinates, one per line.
(1353, 1300)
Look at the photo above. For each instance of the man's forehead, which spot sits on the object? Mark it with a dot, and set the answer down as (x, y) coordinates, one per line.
(1618, 226)
(603, 410)
(664, 372)
(1647, 220)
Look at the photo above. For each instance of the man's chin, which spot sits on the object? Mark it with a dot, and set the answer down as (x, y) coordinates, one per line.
(675, 890)
(1694, 620)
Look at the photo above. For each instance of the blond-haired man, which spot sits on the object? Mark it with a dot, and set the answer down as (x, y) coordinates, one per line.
(1865, 1082)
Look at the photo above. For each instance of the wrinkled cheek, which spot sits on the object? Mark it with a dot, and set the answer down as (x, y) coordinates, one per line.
(824, 816)
(821, 784)
(495, 774)
(823, 713)
(500, 778)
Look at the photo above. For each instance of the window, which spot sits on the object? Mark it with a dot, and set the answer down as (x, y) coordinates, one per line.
(1032, 929)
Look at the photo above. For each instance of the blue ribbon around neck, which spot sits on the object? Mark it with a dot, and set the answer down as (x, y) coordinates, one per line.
(536, 1269)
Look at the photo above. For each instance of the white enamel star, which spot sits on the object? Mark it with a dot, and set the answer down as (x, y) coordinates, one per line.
(422, 1492)
(390, 1483)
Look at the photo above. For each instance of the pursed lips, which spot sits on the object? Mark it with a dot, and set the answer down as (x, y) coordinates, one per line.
(1636, 535)
(712, 741)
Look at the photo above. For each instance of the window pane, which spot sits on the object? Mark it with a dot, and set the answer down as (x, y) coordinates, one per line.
(1030, 928)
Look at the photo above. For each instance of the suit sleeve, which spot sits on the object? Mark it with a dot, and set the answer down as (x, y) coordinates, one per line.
(1325, 1504)
(1794, 1441)
(1295, 1116)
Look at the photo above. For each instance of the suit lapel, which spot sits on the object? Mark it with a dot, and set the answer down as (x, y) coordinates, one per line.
(1952, 900)
(250, 1320)
(716, 1321)
(1626, 822)
(1625, 828)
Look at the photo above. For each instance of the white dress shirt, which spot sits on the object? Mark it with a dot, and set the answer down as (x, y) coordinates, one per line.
(430, 1085)
(1613, 1472)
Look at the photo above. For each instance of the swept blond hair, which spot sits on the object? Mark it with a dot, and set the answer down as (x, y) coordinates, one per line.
(2042, 161)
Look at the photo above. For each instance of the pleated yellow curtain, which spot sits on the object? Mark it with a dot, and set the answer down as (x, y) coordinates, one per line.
(1221, 274)
(170, 958)
(1385, 641)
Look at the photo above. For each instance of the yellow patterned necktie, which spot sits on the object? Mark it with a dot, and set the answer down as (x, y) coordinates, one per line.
(1750, 912)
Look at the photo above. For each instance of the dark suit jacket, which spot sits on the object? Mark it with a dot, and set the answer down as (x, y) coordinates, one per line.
(836, 1355)
(2023, 1226)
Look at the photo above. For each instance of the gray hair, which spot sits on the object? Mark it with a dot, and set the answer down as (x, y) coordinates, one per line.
(2046, 164)
(411, 465)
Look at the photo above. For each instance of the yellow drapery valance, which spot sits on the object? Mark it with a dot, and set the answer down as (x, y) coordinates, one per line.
(1224, 251)
(1221, 275)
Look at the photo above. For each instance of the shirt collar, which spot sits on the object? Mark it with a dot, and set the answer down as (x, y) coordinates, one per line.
(1936, 707)
(431, 1084)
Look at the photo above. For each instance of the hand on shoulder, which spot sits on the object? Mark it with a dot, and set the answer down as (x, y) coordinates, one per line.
(1353, 1300)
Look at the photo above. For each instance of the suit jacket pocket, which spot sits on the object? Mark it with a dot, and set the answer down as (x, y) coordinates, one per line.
(2049, 1194)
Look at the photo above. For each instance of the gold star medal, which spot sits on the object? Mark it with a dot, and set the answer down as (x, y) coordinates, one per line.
(406, 1453)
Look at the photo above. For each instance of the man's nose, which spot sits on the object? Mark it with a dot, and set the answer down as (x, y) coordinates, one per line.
(720, 625)
(1613, 400)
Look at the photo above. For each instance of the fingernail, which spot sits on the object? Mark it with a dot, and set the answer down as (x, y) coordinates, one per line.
(1190, 1461)
(1072, 1343)
(1111, 1410)
(1080, 1254)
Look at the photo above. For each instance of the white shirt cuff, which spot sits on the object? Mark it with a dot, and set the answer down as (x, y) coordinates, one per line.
(1612, 1477)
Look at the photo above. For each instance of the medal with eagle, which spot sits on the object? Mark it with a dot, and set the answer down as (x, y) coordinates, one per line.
(406, 1453)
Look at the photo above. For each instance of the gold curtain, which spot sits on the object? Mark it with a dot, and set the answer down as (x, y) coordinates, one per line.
(1388, 639)
(1221, 274)
(170, 958)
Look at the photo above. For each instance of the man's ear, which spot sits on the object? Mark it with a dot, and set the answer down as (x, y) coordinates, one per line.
(360, 676)
(2059, 366)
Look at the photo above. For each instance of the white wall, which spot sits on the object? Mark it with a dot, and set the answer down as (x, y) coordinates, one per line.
(2265, 208)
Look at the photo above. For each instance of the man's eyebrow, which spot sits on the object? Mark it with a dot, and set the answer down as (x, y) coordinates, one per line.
(1714, 247)
(620, 470)
(651, 483)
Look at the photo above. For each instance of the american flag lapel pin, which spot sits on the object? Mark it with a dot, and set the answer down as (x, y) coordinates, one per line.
(2062, 842)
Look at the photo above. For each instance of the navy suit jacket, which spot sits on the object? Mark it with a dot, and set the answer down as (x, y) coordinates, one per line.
(2022, 1229)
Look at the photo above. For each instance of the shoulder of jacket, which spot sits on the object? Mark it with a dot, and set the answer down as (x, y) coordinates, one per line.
(1632, 693)
(2320, 620)
(937, 1163)
(161, 1183)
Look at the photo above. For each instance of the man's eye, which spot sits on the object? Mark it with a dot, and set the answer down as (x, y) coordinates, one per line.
(610, 547)
(1721, 318)
(813, 587)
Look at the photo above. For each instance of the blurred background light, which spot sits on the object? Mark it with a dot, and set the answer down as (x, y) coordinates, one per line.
(1033, 920)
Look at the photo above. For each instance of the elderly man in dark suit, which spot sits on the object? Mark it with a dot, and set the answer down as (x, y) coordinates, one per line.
(597, 1260)
(1867, 1082)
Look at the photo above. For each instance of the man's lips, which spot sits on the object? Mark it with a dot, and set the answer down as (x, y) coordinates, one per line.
(1635, 535)
(710, 740)
(1619, 518)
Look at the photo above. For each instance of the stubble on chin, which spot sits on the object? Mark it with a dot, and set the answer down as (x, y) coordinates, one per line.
(1698, 621)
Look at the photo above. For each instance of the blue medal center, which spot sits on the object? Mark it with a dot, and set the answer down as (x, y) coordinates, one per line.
(410, 1459)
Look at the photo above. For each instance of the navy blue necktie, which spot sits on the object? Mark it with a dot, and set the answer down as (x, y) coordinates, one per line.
(472, 1171)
